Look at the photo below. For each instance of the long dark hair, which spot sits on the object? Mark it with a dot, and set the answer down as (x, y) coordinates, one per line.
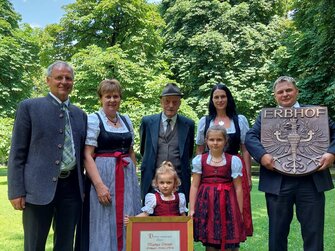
(231, 106)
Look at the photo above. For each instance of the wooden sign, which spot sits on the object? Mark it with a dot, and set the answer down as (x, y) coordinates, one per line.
(295, 137)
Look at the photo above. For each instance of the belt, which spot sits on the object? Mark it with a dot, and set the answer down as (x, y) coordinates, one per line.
(64, 174)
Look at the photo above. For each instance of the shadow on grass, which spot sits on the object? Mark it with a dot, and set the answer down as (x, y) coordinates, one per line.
(3, 171)
(16, 236)
(4, 183)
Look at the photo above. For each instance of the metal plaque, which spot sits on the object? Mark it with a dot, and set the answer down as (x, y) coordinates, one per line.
(295, 137)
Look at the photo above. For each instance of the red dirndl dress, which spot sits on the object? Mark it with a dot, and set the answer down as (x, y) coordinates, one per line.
(217, 218)
(167, 207)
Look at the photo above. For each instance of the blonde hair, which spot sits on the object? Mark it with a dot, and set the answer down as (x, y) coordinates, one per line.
(109, 85)
(166, 168)
(218, 128)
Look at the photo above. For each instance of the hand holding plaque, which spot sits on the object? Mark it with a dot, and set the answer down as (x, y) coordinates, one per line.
(268, 161)
(297, 138)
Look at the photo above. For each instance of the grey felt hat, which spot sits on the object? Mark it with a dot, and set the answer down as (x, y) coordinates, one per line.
(171, 90)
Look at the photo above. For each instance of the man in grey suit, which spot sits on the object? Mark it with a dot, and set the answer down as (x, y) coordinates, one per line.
(167, 136)
(282, 192)
(45, 171)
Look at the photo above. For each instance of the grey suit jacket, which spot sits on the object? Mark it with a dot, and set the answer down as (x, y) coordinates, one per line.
(36, 149)
(270, 181)
(149, 133)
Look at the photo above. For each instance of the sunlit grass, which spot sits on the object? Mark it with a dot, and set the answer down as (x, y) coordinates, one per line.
(11, 237)
(259, 241)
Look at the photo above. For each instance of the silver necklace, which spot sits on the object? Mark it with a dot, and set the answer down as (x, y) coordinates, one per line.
(217, 162)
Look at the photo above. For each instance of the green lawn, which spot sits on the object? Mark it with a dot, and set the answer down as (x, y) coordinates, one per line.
(11, 237)
(259, 241)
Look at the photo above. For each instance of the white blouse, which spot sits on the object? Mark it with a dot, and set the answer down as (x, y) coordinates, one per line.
(93, 127)
(242, 122)
(150, 203)
(236, 165)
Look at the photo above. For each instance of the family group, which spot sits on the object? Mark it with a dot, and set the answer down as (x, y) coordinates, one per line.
(79, 174)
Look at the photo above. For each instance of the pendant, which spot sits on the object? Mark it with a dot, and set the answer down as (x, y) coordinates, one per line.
(221, 123)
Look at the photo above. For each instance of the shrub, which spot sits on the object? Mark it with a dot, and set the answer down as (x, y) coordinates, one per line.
(6, 126)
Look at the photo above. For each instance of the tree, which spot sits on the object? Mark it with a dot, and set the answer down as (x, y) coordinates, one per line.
(50, 43)
(141, 85)
(223, 41)
(117, 39)
(114, 38)
(309, 50)
(18, 59)
(132, 25)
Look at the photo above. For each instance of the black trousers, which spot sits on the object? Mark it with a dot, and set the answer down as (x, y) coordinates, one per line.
(64, 212)
(310, 210)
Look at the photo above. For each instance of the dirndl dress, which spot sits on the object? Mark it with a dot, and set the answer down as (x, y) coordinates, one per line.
(155, 205)
(236, 135)
(217, 218)
(118, 172)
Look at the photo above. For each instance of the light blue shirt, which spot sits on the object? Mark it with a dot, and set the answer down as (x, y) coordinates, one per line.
(242, 122)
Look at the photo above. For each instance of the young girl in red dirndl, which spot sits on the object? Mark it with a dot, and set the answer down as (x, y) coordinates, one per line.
(216, 195)
(166, 201)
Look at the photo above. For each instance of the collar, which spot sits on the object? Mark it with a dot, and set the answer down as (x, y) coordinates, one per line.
(296, 105)
(173, 119)
(66, 102)
(210, 156)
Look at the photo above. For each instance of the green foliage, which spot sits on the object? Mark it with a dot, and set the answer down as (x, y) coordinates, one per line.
(223, 41)
(8, 18)
(264, 10)
(18, 60)
(116, 39)
(134, 25)
(6, 126)
(195, 43)
(310, 52)
(95, 64)
(51, 45)
(141, 84)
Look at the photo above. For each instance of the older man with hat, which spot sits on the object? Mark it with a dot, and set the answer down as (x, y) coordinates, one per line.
(167, 136)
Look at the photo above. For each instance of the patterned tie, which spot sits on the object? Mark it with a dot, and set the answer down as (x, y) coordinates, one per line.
(168, 128)
(68, 159)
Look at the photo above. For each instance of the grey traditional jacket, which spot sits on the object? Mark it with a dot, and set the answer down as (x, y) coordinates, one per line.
(36, 149)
